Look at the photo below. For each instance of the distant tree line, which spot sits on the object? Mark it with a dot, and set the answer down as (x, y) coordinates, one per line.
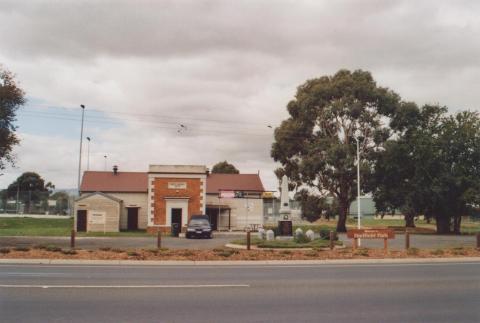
(420, 160)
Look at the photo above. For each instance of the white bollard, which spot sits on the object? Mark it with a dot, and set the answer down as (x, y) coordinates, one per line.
(261, 233)
(310, 235)
(270, 235)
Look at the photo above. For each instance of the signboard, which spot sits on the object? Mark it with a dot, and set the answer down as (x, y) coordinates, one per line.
(230, 194)
(52, 202)
(96, 217)
(371, 234)
(226, 194)
(267, 195)
(177, 185)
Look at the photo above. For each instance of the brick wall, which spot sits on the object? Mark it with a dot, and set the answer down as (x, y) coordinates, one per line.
(160, 191)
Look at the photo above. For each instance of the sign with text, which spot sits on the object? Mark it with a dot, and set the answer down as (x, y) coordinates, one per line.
(226, 194)
(177, 185)
(371, 234)
(96, 217)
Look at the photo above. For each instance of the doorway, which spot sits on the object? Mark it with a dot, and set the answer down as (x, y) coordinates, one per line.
(177, 216)
(132, 218)
(213, 216)
(81, 221)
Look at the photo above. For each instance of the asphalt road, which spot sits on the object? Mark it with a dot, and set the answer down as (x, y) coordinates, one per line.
(426, 292)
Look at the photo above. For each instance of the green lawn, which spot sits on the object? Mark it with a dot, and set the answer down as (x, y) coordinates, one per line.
(35, 227)
(53, 227)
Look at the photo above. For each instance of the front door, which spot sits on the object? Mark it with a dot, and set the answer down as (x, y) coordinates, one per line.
(177, 216)
(132, 218)
(81, 221)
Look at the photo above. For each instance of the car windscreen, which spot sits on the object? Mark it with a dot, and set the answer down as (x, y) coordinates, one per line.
(199, 222)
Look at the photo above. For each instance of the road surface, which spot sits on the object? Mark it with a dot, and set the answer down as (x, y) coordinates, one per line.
(428, 292)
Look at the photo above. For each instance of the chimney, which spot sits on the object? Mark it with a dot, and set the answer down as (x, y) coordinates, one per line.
(115, 170)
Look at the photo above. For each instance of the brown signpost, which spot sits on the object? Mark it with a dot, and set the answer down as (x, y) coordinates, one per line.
(384, 234)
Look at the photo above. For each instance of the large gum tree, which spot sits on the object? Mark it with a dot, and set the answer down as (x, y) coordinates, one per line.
(316, 145)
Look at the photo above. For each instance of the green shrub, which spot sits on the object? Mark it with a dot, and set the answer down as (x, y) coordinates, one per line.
(227, 253)
(69, 252)
(311, 253)
(105, 248)
(459, 252)
(413, 251)
(117, 250)
(285, 252)
(437, 252)
(361, 252)
(301, 238)
(21, 249)
(4, 250)
(133, 254)
(325, 234)
(188, 253)
(53, 248)
(153, 250)
(39, 246)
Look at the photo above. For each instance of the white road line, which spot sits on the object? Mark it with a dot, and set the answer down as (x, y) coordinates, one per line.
(124, 286)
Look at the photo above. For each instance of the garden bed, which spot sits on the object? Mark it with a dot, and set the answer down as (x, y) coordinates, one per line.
(52, 252)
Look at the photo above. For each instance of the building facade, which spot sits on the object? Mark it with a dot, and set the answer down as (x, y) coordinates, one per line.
(167, 195)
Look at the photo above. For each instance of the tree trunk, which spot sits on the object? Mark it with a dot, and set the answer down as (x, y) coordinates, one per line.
(443, 225)
(410, 220)
(342, 216)
(456, 224)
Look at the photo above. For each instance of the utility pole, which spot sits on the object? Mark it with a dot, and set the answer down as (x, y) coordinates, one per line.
(80, 155)
(105, 162)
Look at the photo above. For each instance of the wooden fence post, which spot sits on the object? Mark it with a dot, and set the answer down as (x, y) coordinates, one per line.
(331, 240)
(355, 243)
(407, 240)
(385, 245)
(478, 240)
(159, 239)
(248, 240)
(72, 239)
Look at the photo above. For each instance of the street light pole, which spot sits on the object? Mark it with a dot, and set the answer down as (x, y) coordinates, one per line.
(81, 142)
(88, 153)
(358, 187)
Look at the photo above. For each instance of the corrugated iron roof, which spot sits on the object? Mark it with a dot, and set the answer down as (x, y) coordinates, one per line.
(96, 181)
(234, 182)
(132, 182)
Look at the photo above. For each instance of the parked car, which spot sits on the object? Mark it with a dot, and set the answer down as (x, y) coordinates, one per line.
(199, 227)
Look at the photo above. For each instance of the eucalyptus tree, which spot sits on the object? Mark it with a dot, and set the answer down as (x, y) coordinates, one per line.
(316, 145)
(12, 97)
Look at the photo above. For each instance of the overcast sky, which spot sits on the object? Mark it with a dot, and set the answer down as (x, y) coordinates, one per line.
(196, 82)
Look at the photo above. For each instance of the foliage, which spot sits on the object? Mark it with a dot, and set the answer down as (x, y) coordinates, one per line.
(316, 144)
(301, 238)
(431, 167)
(62, 199)
(12, 98)
(31, 188)
(224, 168)
(313, 206)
